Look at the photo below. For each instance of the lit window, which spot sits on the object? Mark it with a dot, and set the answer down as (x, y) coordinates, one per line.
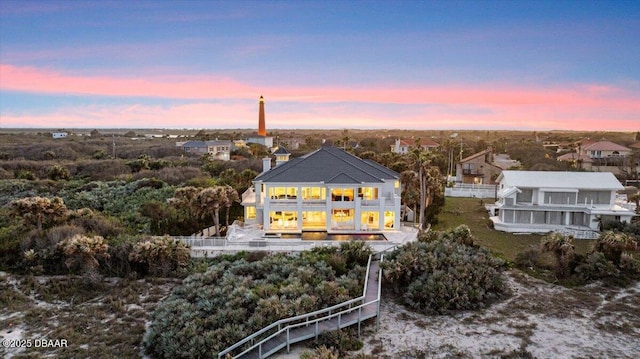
(314, 193)
(342, 194)
(283, 220)
(368, 193)
(389, 219)
(251, 212)
(369, 220)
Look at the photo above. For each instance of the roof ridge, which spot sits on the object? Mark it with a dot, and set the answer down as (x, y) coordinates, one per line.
(359, 160)
(342, 173)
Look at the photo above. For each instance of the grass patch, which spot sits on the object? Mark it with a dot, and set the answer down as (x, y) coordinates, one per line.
(471, 211)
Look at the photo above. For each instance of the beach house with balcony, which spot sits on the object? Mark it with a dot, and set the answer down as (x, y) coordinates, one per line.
(328, 190)
(569, 202)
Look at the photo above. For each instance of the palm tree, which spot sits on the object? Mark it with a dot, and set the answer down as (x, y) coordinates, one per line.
(612, 245)
(187, 199)
(40, 209)
(231, 196)
(430, 184)
(410, 190)
(560, 245)
(210, 200)
(82, 254)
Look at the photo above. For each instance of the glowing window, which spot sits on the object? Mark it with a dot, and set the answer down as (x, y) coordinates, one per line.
(368, 193)
(251, 212)
(342, 194)
(314, 193)
(314, 219)
(342, 219)
(369, 220)
(389, 219)
(283, 192)
(283, 220)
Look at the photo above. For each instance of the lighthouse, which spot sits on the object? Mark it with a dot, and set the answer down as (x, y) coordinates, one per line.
(261, 137)
(262, 129)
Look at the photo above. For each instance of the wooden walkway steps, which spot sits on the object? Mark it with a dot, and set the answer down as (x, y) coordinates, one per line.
(350, 313)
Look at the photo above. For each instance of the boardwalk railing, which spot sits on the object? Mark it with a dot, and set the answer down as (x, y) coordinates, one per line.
(202, 241)
(285, 332)
(471, 190)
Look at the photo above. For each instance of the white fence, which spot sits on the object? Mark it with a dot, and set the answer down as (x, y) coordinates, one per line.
(471, 190)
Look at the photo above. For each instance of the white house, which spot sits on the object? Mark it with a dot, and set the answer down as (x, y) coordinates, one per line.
(403, 146)
(538, 202)
(59, 134)
(328, 190)
(219, 150)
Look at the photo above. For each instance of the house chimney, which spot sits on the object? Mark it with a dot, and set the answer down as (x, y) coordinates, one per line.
(266, 164)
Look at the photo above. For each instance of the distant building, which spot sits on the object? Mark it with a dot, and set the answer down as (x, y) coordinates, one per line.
(483, 167)
(59, 134)
(574, 203)
(600, 156)
(403, 146)
(219, 150)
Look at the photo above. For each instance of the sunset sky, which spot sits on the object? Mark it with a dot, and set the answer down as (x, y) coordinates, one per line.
(528, 65)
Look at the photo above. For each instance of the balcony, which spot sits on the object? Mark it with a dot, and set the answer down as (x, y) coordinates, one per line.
(472, 172)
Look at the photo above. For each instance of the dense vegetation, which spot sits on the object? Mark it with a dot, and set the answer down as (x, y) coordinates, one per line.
(443, 272)
(611, 259)
(242, 294)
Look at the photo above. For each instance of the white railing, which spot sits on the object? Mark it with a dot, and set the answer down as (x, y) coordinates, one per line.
(202, 241)
(471, 190)
(306, 320)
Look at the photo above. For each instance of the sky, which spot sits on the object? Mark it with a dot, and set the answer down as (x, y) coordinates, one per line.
(425, 65)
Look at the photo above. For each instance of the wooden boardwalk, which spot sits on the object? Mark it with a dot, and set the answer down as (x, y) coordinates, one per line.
(311, 328)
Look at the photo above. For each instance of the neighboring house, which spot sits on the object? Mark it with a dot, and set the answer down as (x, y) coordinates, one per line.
(601, 156)
(266, 141)
(219, 150)
(483, 167)
(404, 146)
(282, 155)
(59, 134)
(328, 190)
(539, 202)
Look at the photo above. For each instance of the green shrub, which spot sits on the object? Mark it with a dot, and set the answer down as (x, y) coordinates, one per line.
(25, 175)
(235, 298)
(162, 256)
(595, 266)
(444, 275)
(57, 172)
(339, 341)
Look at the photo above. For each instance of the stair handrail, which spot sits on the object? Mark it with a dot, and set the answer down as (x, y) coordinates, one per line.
(331, 315)
(278, 323)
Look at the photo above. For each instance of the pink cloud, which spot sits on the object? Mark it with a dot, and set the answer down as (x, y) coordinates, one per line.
(586, 107)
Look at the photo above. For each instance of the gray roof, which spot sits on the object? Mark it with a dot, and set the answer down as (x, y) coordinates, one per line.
(196, 143)
(329, 165)
(282, 151)
(557, 179)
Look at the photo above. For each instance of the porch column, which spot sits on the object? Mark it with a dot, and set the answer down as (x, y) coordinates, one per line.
(265, 213)
(299, 207)
(356, 211)
(328, 209)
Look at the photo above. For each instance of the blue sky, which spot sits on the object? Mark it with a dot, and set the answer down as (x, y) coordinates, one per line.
(342, 64)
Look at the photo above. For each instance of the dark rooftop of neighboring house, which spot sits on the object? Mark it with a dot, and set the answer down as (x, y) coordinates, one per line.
(281, 151)
(329, 165)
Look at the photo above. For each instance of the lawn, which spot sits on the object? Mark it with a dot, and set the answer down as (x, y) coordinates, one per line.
(471, 211)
